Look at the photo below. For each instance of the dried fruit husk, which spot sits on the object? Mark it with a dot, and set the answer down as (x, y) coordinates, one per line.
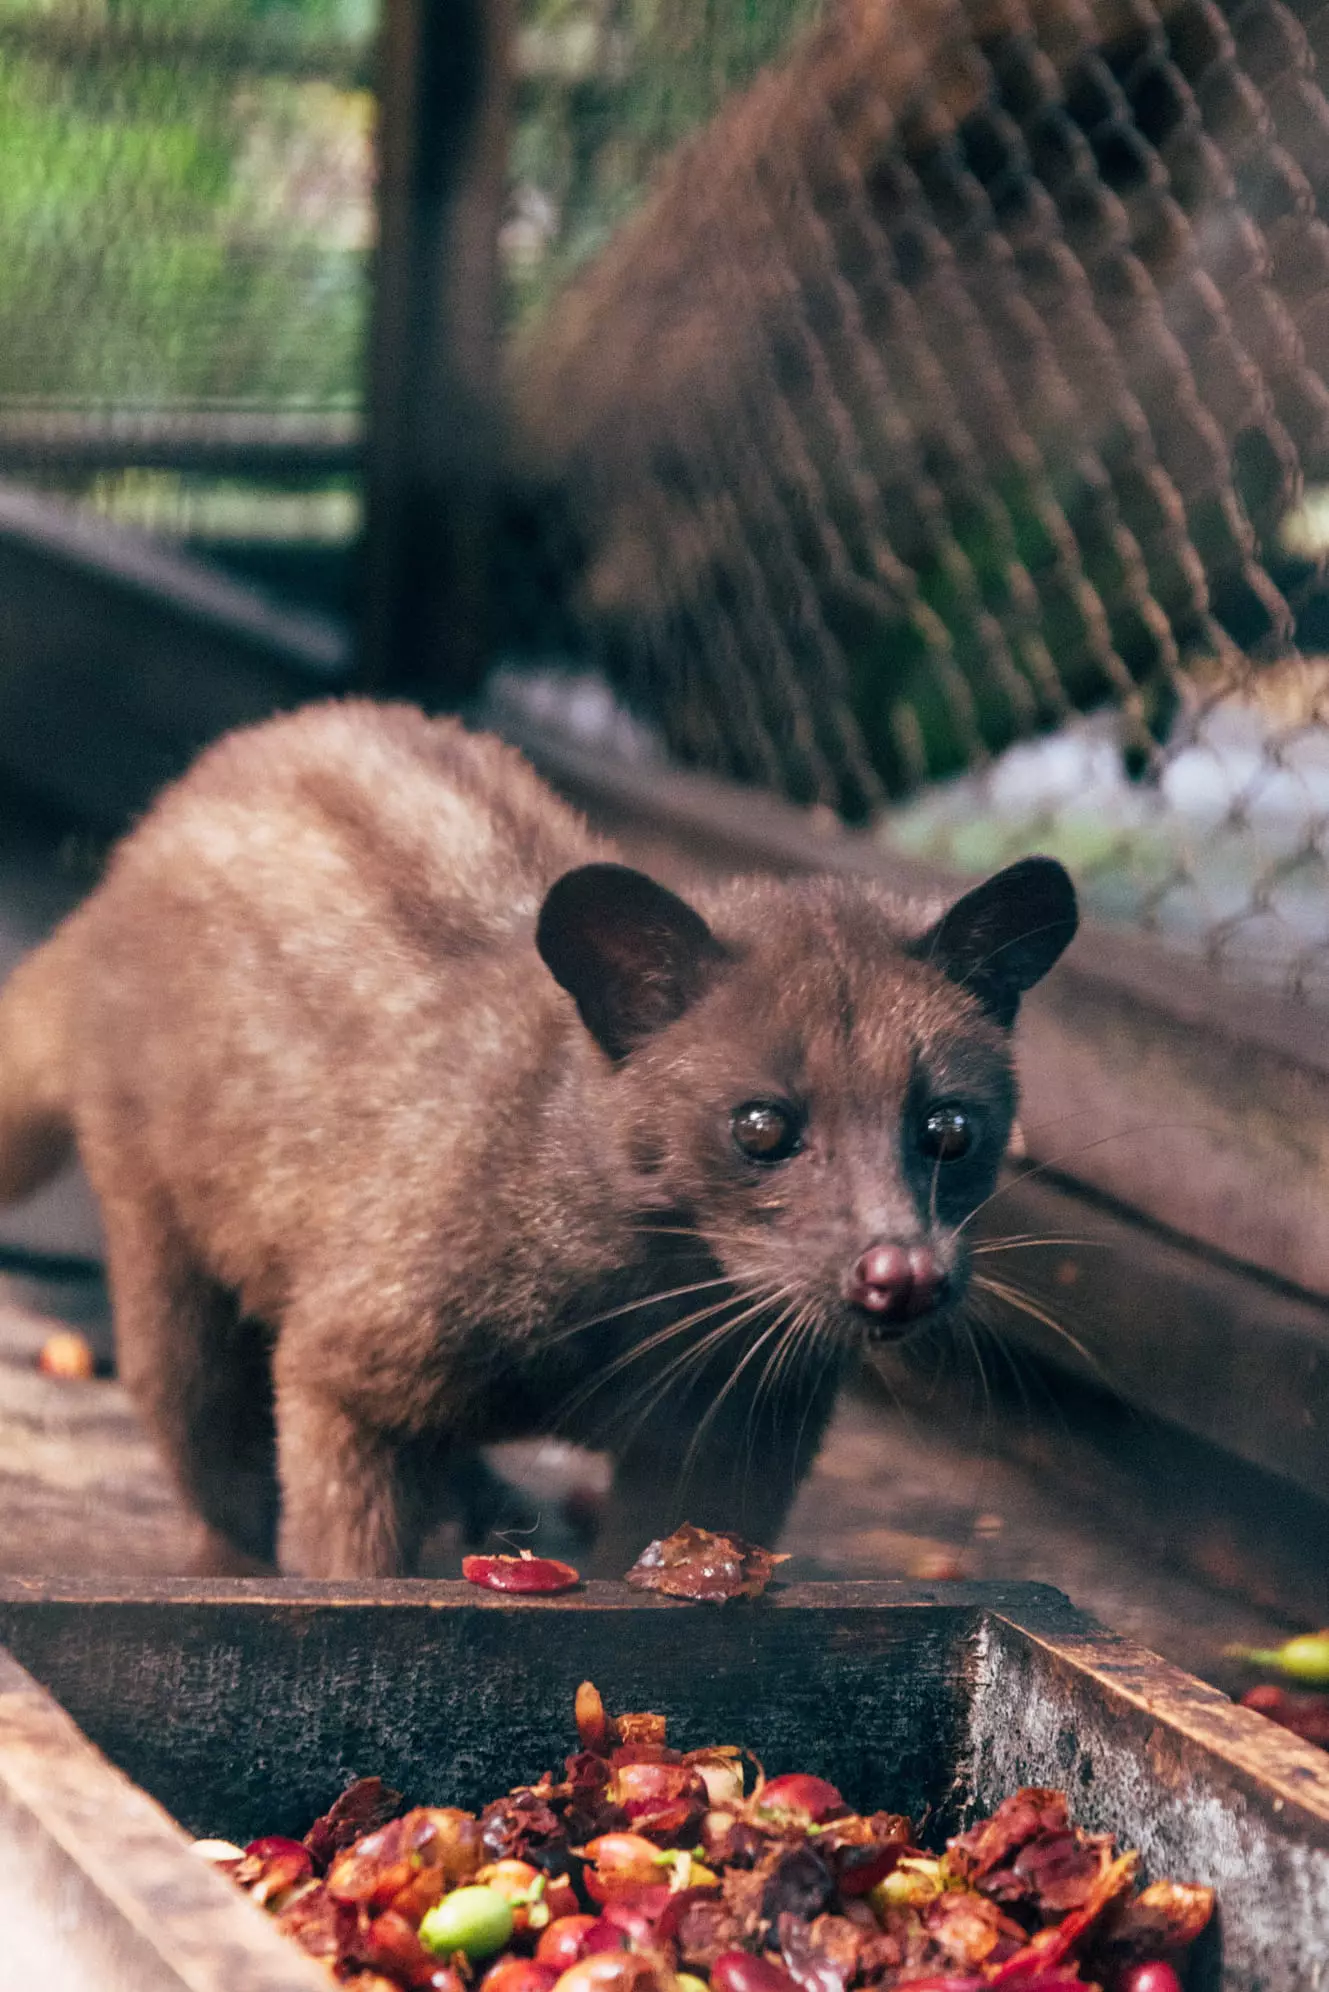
(1041, 1981)
(365, 1803)
(798, 1883)
(821, 1956)
(524, 1827)
(1052, 1873)
(640, 1729)
(316, 1922)
(703, 1566)
(1054, 1945)
(1163, 1919)
(861, 1852)
(408, 1864)
(730, 1842)
(721, 1771)
(271, 1867)
(596, 1730)
(706, 1930)
(1028, 1814)
(968, 1931)
(602, 1733)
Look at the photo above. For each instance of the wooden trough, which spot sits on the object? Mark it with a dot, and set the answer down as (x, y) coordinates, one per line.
(245, 1708)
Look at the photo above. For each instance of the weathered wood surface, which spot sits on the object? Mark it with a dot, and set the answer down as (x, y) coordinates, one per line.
(1202, 1789)
(272, 442)
(98, 1889)
(443, 1689)
(246, 1705)
(121, 658)
(1235, 1360)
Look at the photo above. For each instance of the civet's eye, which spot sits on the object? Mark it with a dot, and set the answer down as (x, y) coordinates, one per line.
(765, 1130)
(948, 1132)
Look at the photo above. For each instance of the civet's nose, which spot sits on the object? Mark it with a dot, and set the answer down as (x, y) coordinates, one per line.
(895, 1283)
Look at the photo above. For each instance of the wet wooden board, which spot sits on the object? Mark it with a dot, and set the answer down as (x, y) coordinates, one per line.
(248, 1705)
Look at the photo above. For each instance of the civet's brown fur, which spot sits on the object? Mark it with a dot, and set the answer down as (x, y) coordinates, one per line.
(368, 1180)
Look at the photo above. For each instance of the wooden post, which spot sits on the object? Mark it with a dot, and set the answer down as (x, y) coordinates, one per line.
(433, 441)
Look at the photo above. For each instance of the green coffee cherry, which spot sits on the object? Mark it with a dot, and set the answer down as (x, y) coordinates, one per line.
(475, 1920)
(1305, 1658)
(685, 1982)
(917, 1880)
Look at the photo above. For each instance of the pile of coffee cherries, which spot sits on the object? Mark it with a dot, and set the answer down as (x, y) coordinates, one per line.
(647, 1869)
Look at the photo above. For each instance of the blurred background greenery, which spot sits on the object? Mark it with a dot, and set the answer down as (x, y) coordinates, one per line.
(605, 88)
(187, 218)
(187, 227)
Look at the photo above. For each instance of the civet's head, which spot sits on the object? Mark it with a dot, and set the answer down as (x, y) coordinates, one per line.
(824, 1090)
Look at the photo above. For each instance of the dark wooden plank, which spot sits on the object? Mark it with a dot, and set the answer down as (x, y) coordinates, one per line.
(260, 49)
(216, 442)
(121, 659)
(1232, 1358)
(433, 434)
(454, 1694)
(886, 1687)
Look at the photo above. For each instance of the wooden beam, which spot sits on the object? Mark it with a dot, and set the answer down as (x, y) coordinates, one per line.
(98, 1885)
(120, 659)
(75, 41)
(213, 442)
(1236, 1360)
(247, 1704)
(433, 438)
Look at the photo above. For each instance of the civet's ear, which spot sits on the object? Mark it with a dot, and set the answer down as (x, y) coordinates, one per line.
(1004, 936)
(632, 955)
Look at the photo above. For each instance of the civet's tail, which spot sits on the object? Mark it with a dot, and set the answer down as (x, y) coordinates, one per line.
(36, 1135)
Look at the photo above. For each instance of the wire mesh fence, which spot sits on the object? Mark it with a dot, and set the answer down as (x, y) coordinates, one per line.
(917, 409)
(964, 374)
(184, 239)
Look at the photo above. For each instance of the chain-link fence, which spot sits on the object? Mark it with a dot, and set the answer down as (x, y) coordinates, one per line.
(184, 232)
(892, 386)
(965, 374)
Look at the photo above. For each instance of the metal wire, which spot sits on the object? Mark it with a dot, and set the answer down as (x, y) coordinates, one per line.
(184, 240)
(963, 374)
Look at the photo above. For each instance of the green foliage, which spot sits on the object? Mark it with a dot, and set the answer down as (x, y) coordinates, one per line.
(177, 229)
(297, 21)
(611, 86)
